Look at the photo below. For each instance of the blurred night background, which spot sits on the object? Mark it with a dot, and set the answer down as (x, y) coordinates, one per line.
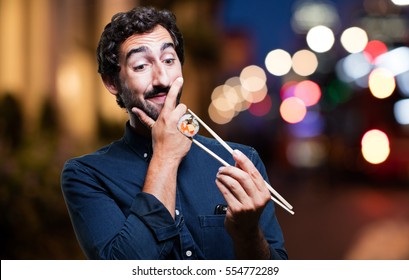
(319, 87)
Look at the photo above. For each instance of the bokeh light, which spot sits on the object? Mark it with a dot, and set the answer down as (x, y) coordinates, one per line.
(243, 104)
(255, 96)
(304, 62)
(354, 39)
(287, 89)
(278, 62)
(396, 60)
(261, 108)
(353, 67)
(68, 81)
(337, 92)
(374, 49)
(306, 153)
(308, 14)
(401, 111)
(400, 2)
(381, 83)
(311, 126)
(224, 98)
(308, 91)
(402, 81)
(320, 39)
(253, 78)
(293, 110)
(220, 117)
(238, 94)
(375, 146)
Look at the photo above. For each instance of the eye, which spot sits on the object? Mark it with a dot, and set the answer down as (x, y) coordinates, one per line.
(139, 67)
(169, 61)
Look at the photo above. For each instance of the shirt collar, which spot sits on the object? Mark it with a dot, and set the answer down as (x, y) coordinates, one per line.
(141, 145)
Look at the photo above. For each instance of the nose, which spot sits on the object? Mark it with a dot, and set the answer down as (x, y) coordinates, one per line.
(160, 76)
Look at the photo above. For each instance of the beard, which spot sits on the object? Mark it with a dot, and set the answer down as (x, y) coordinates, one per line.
(128, 100)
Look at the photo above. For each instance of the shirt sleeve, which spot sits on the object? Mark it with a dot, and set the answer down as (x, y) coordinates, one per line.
(103, 230)
(268, 220)
(155, 216)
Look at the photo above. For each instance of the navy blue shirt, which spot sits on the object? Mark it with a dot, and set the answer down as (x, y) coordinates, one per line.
(114, 219)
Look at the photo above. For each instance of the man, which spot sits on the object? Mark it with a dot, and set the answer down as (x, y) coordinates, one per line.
(151, 194)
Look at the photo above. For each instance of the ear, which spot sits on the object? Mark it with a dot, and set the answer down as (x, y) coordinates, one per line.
(110, 84)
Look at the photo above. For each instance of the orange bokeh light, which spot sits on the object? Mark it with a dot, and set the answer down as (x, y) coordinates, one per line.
(293, 110)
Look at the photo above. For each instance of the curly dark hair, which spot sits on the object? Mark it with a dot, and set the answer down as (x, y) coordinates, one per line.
(123, 25)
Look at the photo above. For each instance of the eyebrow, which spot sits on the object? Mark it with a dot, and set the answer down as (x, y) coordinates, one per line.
(147, 50)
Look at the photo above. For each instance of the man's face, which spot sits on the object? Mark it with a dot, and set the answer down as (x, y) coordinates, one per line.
(149, 65)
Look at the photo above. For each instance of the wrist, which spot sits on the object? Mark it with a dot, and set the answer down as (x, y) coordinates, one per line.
(169, 156)
(251, 245)
(247, 236)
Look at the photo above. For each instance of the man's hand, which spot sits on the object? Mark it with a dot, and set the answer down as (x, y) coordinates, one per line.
(243, 188)
(167, 141)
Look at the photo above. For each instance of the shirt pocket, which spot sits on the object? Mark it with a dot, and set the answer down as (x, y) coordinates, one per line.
(216, 243)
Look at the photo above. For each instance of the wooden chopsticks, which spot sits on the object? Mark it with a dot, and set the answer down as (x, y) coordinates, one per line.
(277, 198)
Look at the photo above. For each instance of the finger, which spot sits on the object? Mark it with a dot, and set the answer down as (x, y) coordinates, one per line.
(245, 181)
(231, 199)
(245, 164)
(170, 102)
(180, 110)
(143, 117)
(234, 187)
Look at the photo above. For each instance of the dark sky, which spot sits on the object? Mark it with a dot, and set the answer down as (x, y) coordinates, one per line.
(269, 22)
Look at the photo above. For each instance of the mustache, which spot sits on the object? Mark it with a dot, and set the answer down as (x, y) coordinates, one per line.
(155, 91)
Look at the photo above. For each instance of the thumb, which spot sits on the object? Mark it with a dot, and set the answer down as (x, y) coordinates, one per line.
(143, 117)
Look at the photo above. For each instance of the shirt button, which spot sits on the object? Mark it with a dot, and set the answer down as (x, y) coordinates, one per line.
(145, 155)
(188, 253)
(177, 212)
